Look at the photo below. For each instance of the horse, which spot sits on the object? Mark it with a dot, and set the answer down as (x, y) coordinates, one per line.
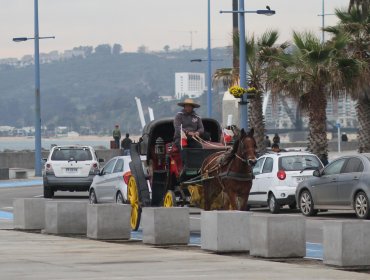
(230, 173)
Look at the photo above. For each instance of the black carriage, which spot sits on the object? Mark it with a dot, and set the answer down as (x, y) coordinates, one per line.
(159, 168)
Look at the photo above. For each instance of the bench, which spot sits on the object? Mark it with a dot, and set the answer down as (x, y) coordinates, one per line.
(18, 173)
(21, 174)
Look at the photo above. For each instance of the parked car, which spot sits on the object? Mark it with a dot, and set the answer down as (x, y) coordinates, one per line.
(277, 176)
(110, 185)
(342, 184)
(69, 168)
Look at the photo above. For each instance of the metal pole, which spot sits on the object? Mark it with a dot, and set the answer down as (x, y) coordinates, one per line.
(323, 21)
(37, 97)
(209, 72)
(242, 66)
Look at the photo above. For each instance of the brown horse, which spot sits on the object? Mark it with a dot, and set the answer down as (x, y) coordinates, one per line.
(230, 173)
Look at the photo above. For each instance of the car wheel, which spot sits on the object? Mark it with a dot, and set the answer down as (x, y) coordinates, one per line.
(306, 204)
(293, 205)
(273, 204)
(362, 206)
(92, 197)
(48, 192)
(119, 198)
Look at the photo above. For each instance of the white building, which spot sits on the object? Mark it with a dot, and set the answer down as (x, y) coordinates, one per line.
(190, 84)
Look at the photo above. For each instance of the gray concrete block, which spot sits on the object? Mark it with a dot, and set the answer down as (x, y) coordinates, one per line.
(346, 243)
(108, 221)
(29, 213)
(277, 236)
(163, 226)
(4, 173)
(66, 217)
(225, 231)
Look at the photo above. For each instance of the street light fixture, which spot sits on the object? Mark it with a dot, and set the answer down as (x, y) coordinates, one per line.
(242, 57)
(37, 88)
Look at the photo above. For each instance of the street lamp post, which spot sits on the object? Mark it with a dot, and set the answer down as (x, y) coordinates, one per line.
(37, 88)
(243, 57)
(209, 71)
(322, 15)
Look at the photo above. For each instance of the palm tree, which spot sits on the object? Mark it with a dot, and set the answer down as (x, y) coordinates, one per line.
(357, 4)
(309, 73)
(355, 25)
(259, 56)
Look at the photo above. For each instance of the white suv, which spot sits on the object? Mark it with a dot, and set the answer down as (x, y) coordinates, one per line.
(277, 176)
(69, 168)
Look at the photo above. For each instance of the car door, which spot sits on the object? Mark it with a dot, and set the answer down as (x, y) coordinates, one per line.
(325, 188)
(348, 180)
(262, 181)
(254, 195)
(117, 178)
(104, 185)
(265, 179)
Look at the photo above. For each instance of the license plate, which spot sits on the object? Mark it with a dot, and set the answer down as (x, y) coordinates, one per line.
(71, 170)
(300, 179)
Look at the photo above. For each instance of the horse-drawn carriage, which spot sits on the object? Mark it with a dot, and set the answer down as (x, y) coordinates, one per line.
(173, 177)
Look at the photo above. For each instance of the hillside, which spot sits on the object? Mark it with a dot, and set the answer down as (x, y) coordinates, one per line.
(98, 91)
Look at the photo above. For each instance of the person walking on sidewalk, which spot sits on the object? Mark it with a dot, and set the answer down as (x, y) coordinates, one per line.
(117, 135)
(126, 145)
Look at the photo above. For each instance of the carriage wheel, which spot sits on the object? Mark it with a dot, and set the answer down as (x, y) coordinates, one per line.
(169, 199)
(133, 197)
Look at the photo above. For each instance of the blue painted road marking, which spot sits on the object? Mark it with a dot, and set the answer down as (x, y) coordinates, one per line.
(13, 184)
(6, 215)
(313, 250)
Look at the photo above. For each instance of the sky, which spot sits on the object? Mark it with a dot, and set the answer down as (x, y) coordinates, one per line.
(133, 23)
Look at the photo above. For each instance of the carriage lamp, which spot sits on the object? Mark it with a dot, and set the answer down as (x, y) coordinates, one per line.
(159, 150)
(159, 146)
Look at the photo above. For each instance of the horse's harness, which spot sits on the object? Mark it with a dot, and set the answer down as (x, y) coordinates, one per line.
(228, 174)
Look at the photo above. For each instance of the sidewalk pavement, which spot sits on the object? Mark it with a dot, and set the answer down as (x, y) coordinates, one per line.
(39, 256)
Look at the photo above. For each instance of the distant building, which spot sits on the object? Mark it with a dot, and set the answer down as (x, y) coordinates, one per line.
(189, 84)
(166, 97)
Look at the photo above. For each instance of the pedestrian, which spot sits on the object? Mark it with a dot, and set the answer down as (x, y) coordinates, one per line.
(187, 125)
(126, 145)
(324, 159)
(344, 137)
(276, 139)
(275, 148)
(267, 142)
(117, 136)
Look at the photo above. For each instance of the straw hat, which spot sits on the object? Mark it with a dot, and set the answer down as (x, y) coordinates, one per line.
(188, 101)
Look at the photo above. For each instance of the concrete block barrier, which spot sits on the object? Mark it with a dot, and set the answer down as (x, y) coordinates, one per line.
(277, 236)
(346, 243)
(225, 231)
(108, 221)
(165, 226)
(29, 213)
(66, 217)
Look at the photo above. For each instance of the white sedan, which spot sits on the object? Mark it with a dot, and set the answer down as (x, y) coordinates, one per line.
(111, 183)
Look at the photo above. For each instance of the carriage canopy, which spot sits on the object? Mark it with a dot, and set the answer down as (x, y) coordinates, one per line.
(164, 128)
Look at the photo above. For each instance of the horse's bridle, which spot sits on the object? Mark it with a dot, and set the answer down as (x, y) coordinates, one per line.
(244, 160)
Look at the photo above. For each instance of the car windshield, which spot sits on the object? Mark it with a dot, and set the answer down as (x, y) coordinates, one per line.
(299, 162)
(71, 154)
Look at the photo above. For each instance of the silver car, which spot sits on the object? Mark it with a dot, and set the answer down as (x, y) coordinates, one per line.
(344, 184)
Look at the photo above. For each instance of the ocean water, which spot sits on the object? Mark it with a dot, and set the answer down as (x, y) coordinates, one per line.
(23, 143)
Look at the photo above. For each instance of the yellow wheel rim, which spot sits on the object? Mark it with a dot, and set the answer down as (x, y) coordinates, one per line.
(134, 201)
(169, 199)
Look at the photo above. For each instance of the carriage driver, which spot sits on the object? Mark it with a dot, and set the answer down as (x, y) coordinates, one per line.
(190, 122)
